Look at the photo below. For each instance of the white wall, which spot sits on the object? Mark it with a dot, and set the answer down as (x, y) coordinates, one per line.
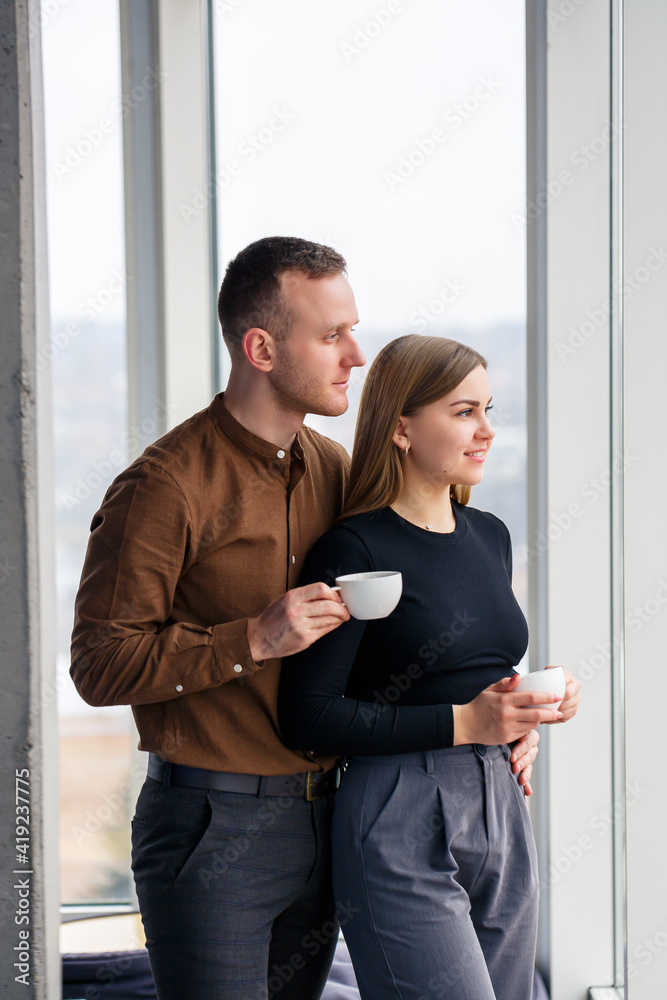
(645, 340)
(573, 392)
(605, 568)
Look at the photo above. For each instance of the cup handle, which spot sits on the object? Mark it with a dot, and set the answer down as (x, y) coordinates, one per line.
(335, 588)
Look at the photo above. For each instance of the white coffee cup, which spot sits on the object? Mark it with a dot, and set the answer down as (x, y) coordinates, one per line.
(370, 595)
(551, 680)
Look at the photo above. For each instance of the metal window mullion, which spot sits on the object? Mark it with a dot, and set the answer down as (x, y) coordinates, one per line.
(616, 499)
(209, 49)
(537, 401)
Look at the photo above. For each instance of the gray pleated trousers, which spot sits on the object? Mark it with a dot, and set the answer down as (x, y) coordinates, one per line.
(435, 853)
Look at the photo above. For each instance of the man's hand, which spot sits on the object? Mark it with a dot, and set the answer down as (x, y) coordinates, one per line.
(295, 621)
(524, 752)
(499, 714)
(570, 702)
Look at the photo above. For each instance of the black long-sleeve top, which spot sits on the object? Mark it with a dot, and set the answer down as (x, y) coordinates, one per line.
(388, 685)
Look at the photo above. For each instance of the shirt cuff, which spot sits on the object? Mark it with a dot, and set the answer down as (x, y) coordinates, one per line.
(232, 650)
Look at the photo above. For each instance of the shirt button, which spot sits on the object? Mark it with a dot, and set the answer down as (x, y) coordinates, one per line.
(280, 453)
(179, 687)
(237, 668)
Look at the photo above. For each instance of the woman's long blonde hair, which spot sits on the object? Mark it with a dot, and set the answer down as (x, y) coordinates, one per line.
(408, 373)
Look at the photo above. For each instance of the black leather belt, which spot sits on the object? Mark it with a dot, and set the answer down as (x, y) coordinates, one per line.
(309, 784)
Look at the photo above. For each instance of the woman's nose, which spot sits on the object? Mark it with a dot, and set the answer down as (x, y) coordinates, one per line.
(487, 429)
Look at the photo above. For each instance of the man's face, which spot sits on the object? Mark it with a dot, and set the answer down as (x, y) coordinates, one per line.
(313, 364)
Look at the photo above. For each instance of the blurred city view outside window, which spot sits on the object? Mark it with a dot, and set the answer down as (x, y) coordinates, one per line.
(87, 356)
(396, 133)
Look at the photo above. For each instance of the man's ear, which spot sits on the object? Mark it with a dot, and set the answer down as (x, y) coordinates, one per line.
(259, 348)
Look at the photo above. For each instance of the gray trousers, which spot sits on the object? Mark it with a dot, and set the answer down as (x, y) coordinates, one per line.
(235, 893)
(435, 851)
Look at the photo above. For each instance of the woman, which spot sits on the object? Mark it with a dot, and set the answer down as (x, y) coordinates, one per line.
(433, 848)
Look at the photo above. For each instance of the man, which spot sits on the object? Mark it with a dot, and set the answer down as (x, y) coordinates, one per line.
(187, 604)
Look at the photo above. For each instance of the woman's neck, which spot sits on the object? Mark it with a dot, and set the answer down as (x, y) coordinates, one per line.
(426, 507)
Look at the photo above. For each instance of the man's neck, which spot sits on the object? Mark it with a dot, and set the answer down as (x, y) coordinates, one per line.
(260, 413)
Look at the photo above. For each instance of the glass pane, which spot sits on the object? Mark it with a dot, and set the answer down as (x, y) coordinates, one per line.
(87, 356)
(395, 133)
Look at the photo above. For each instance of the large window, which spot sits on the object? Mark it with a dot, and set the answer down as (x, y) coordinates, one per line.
(397, 135)
(87, 356)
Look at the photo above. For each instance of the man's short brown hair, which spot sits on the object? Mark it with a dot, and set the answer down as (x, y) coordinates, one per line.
(250, 294)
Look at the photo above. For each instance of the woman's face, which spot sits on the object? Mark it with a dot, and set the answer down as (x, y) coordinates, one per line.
(450, 439)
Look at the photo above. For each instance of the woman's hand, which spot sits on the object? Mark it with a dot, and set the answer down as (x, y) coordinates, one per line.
(570, 702)
(524, 752)
(499, 714)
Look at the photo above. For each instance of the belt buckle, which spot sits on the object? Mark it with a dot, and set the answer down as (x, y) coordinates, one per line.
(310, 791)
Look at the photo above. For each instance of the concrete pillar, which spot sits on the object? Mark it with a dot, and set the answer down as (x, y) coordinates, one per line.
(28, 721)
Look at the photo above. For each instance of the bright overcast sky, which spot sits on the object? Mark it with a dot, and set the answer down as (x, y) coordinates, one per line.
(359, 92)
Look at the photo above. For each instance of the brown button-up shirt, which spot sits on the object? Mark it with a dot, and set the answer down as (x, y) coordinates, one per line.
(203, 531)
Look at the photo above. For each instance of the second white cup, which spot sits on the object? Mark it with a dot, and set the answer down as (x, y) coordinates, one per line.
(551, 680)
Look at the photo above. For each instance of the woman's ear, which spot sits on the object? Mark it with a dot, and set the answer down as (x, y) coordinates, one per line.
(400, 435)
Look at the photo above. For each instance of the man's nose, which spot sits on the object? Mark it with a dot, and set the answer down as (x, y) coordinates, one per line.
(354, 356)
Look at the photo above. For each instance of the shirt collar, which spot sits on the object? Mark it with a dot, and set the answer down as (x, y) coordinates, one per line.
(233, 429)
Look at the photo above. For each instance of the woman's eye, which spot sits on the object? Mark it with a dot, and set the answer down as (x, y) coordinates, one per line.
(466, 413)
